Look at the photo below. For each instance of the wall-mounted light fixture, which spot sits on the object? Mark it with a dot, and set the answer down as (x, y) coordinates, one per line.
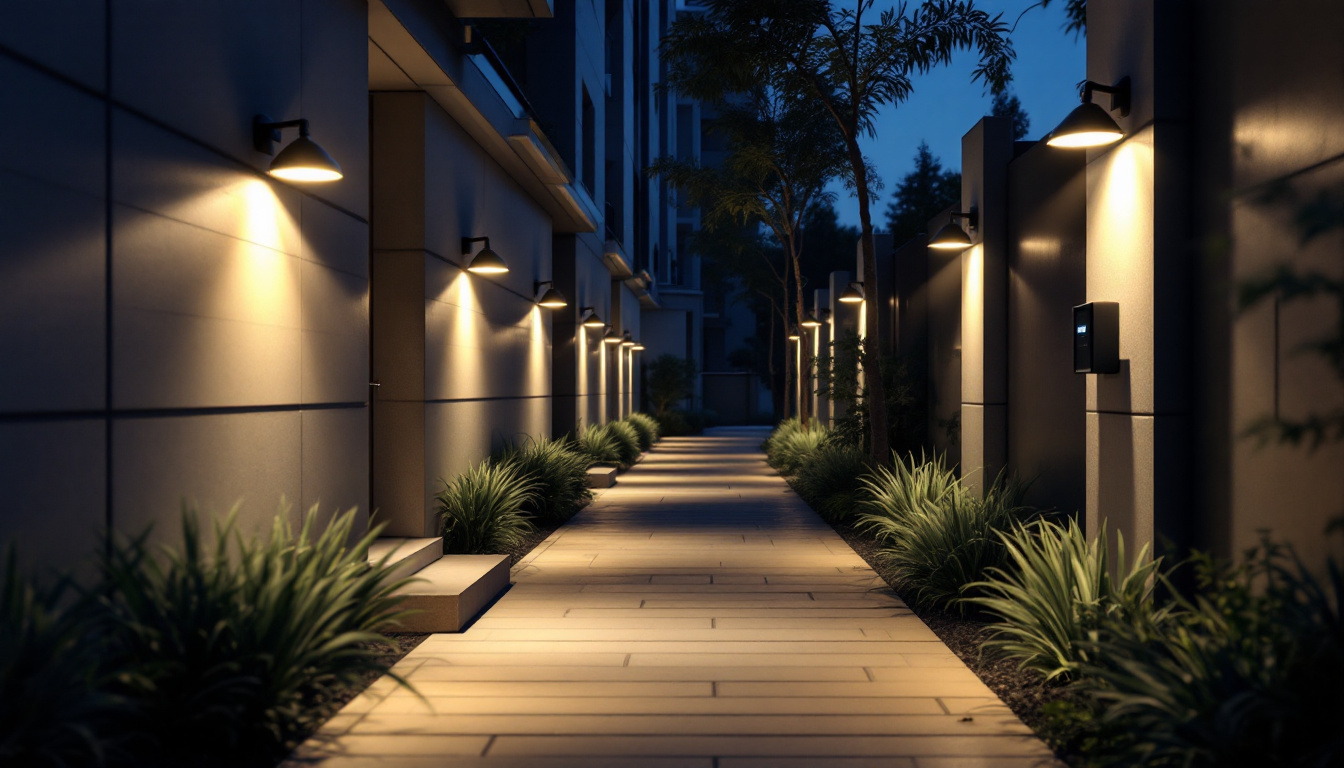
(627, 340)
(487, 262)
(952, 237)
(611, 337)
(588, 316)
(551, 299)
(638, 347)
(810, 321)
(825, 316)
(1088, 125)
(853, 294)
(303, 160)
(795, 335)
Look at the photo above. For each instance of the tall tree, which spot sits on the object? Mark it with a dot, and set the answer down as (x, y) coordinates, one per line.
(782, 154)
(921, 195)
(849, 63)
(1006, 104)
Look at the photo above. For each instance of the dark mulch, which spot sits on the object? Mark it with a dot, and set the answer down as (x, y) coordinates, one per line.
(1022, 690)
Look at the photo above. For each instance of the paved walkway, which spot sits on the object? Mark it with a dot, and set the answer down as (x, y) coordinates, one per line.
(697, 614)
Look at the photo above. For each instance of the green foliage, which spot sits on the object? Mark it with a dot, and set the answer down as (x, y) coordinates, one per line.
(940, 537)
(627, 442)
(1245, 673)
(781, 430)
(840, 375)
(671, 379)
(1059, 590)
(1076, 13)
(482, 509)
(920, 195)
(646, 427)
(790, 451)
(598, 443)
(1075, 728)
(54, 706)
(1007, 105)
(221, 647)
(678, 422)
(829, 481)
(559, 473)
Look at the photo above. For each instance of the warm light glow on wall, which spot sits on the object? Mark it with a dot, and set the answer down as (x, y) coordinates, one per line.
(468, 333)
(972, 323)
(538, 357)
(265, 279)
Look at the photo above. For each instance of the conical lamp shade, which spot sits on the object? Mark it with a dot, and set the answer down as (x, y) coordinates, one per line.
(305, 160)
(553, 299)
(1086, 126)
(487, 262)
(852, 295)
(951, 238)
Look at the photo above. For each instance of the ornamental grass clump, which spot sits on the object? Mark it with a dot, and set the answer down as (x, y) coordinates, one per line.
(1245, 673)
(646, 427)
(627, 443)
(782, 430)
(598, 443)
(790, 451)
(482, 510)
(55, 707)
(938, 536)
(1058, 591)
(559, 473)
(225, 648)
(829, 481)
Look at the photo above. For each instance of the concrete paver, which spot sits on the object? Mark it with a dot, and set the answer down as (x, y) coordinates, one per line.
(697, 614)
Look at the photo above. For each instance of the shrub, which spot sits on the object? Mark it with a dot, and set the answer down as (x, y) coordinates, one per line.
(1246, 673)
(646, 427)
(784, 429)
(54, 708)
(829, 481)
(482, 509)
(223, 647)
(559, 472)
(938, 536)
(598, 444)
(669, 380)
(627, 443)
(790, 451)
(1057, 592)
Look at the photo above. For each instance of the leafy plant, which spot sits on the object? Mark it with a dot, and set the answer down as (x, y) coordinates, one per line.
(627, 442)
(1057, 592)
(840, 373)
(598, 443)
(781, 430)
(646, 427)
(559, 472)
(829, 481)
(671, 379)
(481, 510)
(1246, 672)
(939, 537)
(223, 646)
(792, 450)
(55, 709)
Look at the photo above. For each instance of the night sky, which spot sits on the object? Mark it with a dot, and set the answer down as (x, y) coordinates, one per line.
(945, 104)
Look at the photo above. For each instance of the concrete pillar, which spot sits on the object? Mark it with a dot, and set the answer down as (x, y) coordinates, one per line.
(818, 338)
(1139, 254)
(986, 151)
(844, 320)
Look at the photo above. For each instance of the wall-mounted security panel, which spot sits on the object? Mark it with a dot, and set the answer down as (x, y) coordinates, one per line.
(1096, 337)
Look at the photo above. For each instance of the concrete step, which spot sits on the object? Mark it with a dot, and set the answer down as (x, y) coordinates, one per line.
(453, 590)
(406, 556)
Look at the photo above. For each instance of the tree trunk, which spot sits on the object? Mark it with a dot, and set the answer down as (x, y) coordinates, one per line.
(878, 448)
(805, 357)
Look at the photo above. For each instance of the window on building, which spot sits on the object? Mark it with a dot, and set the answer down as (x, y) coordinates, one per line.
(589, 127)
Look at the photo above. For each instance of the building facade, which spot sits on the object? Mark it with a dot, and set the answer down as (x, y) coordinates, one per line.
(180, 327)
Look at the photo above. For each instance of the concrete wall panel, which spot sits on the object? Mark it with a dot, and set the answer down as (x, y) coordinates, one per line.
(335, 447)
(68, 36)
(1120, 475)
(335, 335)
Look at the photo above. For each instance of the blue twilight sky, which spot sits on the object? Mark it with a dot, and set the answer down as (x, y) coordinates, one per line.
(945, 104)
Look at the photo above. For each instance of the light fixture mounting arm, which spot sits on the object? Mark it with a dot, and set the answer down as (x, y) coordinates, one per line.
(972, 218)
(266, 132)
(1119, 94)
(468, 241)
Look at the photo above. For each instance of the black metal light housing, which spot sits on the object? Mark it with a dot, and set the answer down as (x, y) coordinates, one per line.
(589, 318)
(810, 321)
(853, 294)
(552, 298)
(1088, 125)
(795, 335)
(610, 337)
(304, 160)
(627, 340)
(952, 237)
(486, 262)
